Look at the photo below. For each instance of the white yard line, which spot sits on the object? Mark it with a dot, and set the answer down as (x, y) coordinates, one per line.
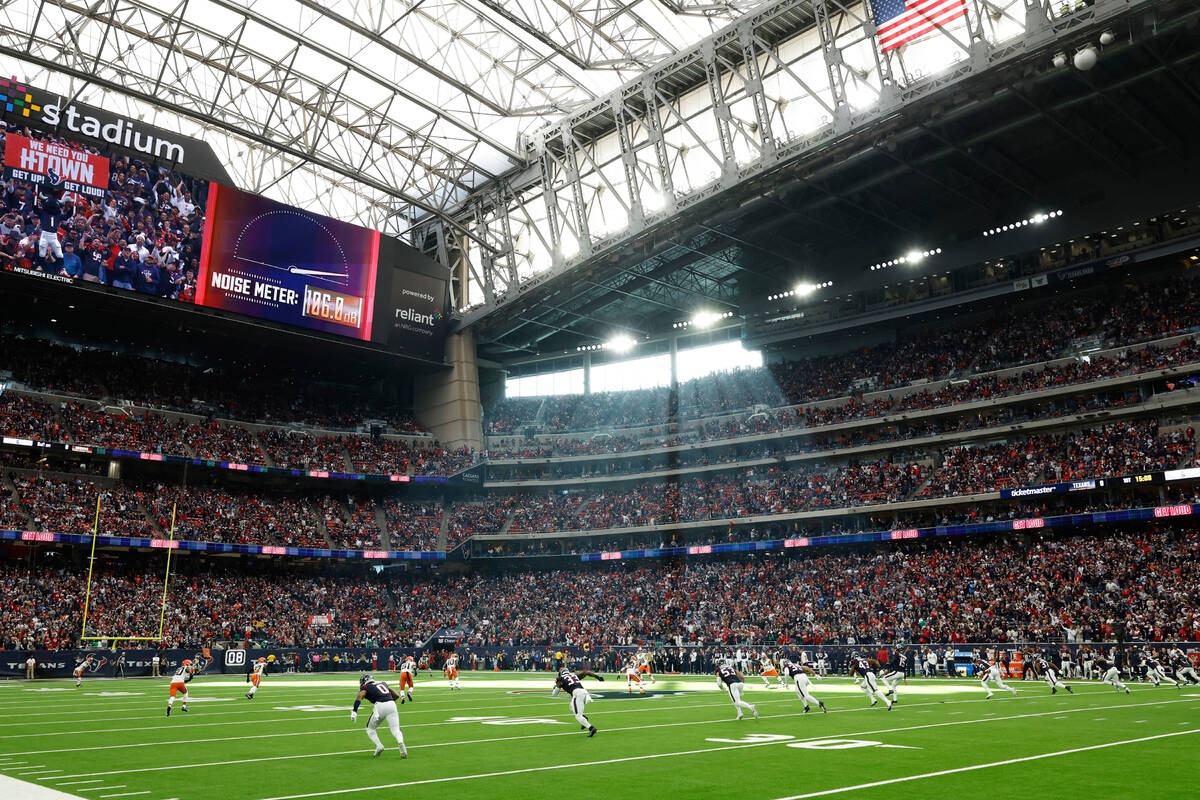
(974, 767)
(125, 794)
(606, 730)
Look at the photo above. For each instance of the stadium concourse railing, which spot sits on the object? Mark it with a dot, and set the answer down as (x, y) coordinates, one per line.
(1160, 478)
(953, 658)
(1159, 403)
(994, 402)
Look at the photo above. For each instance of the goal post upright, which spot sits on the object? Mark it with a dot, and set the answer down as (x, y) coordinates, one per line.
(87, 597)
(162, 615)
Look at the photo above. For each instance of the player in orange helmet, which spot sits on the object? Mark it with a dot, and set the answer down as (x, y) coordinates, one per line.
(260, 669)
(179, 682)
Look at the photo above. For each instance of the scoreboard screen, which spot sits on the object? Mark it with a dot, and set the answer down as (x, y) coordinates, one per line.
(268, 260)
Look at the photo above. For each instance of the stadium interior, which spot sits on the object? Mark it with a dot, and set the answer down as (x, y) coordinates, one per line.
(697, 335)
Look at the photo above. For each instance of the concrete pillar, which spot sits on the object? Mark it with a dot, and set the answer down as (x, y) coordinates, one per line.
(447, 402)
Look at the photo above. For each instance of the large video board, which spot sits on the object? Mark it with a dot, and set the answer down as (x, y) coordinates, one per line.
(267, 260)
(91, 214)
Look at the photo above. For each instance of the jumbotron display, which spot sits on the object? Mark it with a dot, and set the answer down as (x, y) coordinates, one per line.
(272, 261)
(81, 214)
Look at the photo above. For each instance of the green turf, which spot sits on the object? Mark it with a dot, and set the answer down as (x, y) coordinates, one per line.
(110, 739)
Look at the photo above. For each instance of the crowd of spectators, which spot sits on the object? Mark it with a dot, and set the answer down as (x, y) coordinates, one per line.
(1013, 589)
(132, 428)
(412, 526)
(1133, 314)
(231, 387)
(292, 449)
(350, 525)
(144, 234)
(234, 516)
(68, 505)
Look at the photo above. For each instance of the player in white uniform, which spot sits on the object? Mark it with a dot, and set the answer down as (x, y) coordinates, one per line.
(987, 671)
(1109, 673)
(799, 675)
(893, 678)
(79, 670)
(408, 672)
(383, 698)
(451, 671)
(260, 670)
(632, 677)
(179, 682)
(645, 665)
(767, 670)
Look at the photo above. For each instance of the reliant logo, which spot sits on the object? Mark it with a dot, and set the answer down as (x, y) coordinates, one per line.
(412, 315)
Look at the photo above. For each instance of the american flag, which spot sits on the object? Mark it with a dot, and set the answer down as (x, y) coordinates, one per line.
(902, 21)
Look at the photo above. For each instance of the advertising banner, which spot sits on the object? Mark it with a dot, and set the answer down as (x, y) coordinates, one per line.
(38, 108)
(268, 260)
(49, 165)
(413, 299)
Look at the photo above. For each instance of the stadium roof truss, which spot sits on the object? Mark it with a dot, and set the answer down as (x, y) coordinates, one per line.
(528, 140)
(384, 113)
(785, 79)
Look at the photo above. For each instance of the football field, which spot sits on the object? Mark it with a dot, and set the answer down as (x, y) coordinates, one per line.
(503, 735)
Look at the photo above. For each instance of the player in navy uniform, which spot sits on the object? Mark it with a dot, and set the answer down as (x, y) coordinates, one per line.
(1046, 670)
(799, 674)
(1185, 672)
(733, 681)
(1109, 673)
(861, 666)
(987, 671)
(1155, 671)
(571, 683)
(383, 698)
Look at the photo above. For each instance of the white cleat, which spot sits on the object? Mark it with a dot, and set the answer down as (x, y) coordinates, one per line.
(403, 751)
(378, 750)
(755, 709)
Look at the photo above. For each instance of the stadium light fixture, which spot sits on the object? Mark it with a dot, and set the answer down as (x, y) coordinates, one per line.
(1036, 219)
(620, 343)
(803, 289)
(911, 257)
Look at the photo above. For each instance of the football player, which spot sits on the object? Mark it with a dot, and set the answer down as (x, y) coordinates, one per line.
(451, 671)
(645, 665)
(1109, 673)
(260, 669)
(799, 675)
(179, 682)
(632, 677)
(408, 670)
(571, 683)
(1155, 672)
(80, 666)
(987, 671)
(767, 670)
(1046, 670)
(860, 665)
(733, 681)
(383, 698)
(892, 677)
(1185, 671)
